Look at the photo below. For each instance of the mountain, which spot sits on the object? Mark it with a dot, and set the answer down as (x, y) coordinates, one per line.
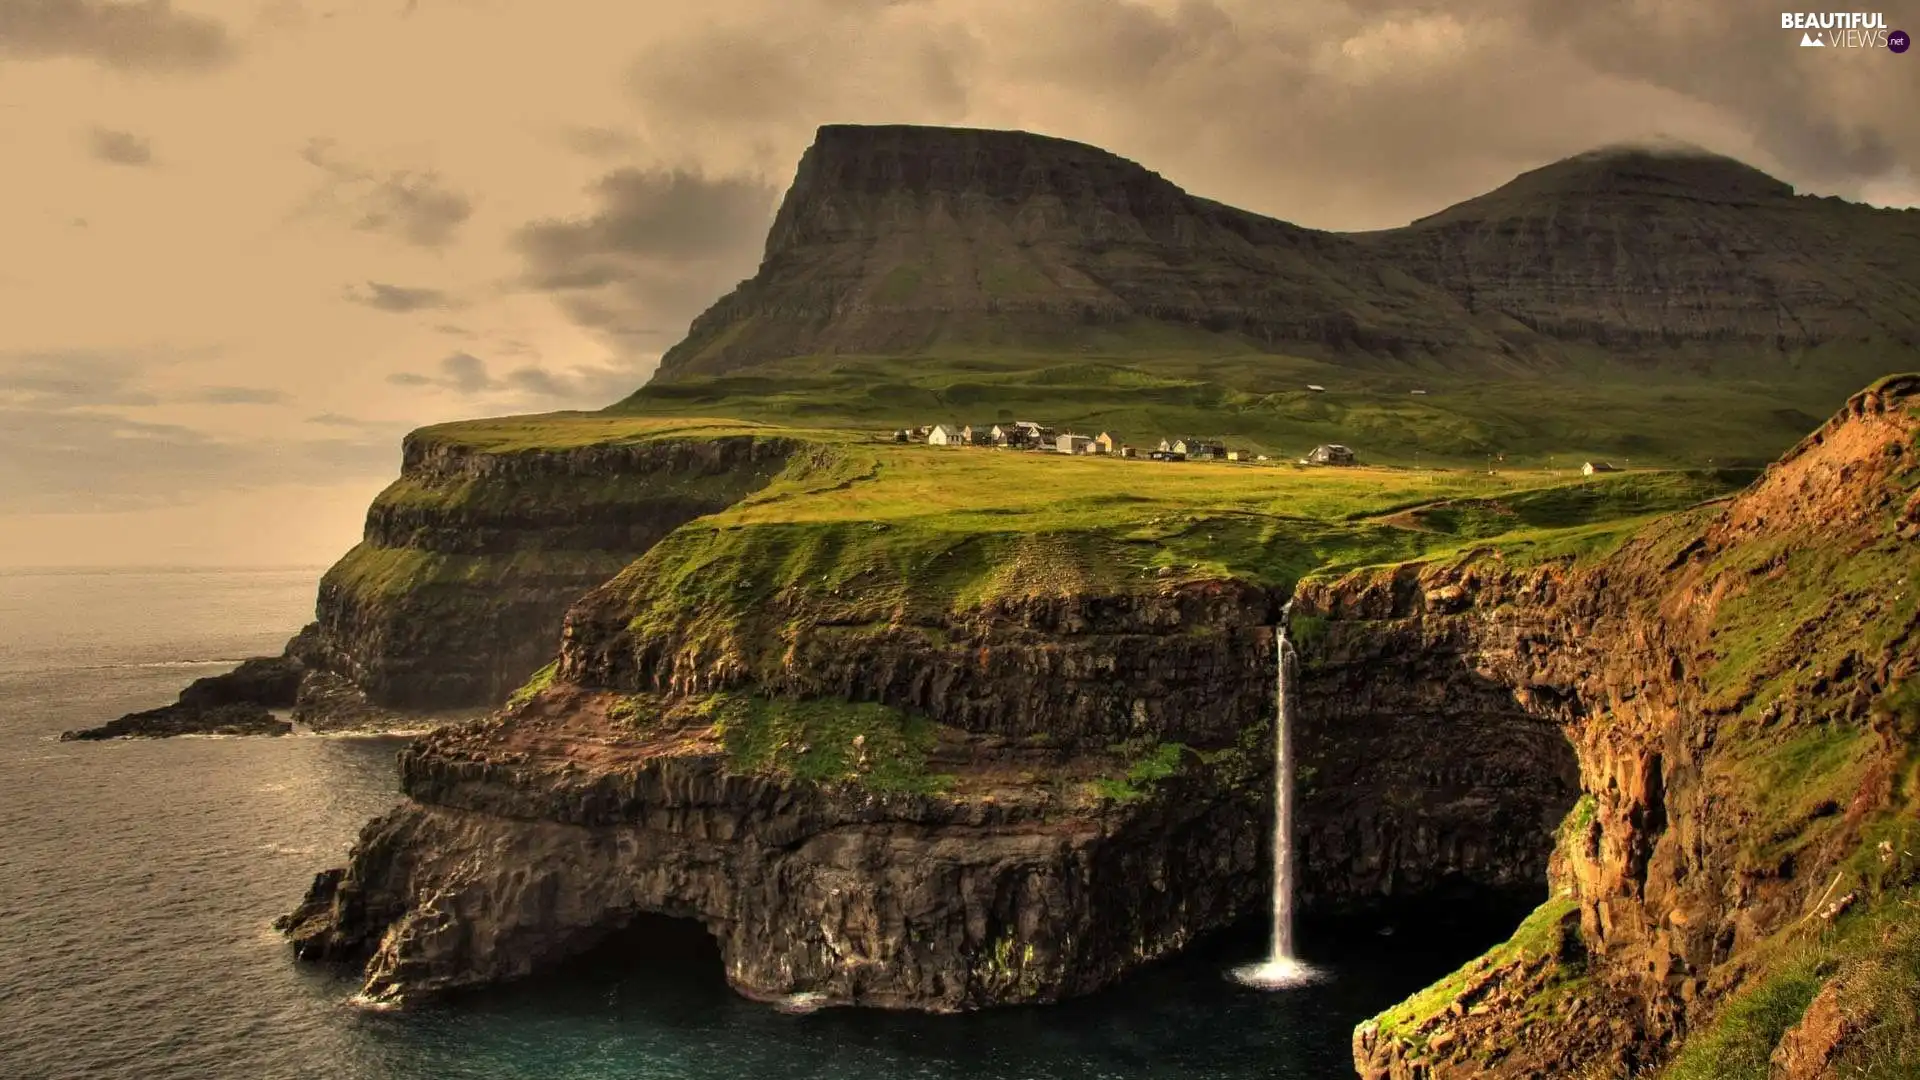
(901, 240)
(1631, 248)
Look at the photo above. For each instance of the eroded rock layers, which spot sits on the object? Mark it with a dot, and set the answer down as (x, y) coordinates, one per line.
(1033, 871)
(1690, 670)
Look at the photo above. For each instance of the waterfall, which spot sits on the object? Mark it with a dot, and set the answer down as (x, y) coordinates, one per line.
(1281, 969)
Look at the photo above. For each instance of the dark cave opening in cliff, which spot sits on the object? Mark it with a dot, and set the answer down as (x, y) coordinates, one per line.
(1430, 804)
(650, 949)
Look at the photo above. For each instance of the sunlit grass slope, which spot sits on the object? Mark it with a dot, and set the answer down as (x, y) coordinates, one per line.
(1718, 413)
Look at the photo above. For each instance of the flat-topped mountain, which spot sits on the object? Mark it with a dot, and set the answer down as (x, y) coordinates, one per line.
(902, 240)
(1632, 248)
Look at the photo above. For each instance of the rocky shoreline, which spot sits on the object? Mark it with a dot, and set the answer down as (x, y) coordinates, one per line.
(269, 696)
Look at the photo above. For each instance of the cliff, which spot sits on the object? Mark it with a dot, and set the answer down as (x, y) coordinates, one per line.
(472, 557)
(933, 241)
(908, 767)
(911, 838)
(1737, 685)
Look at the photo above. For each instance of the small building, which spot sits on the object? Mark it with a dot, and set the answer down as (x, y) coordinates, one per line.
(1331, 454)
(1105, 443)
(1235, 455)
(1128, 452)
(943, 435)
(1316, 388)
(1028, 435)
(979, 435)
(1592, 467)
(1073, 444)
(903, 435)
(1200, 450)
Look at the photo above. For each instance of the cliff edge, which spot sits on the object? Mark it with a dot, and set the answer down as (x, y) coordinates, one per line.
(1739, 686)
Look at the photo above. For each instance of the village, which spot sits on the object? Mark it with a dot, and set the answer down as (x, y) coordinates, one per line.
(1031, 436)
(1038, 438)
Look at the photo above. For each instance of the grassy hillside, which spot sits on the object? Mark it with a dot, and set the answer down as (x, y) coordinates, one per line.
(1722, 414)
(868, 531)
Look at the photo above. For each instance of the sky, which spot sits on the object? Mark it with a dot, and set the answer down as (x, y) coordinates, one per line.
(245, 245)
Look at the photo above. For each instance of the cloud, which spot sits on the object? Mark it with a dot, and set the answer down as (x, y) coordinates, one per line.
(602, 142)
(1827, 115)
(1351, 114)
(119, 147)
(657, 247)
(353, 423)
(73, 379)
(70, 446)
(70, 379)
(398, 298)
(142, 36)
(773, 70)
(85, 461)
(466, 374)
(414, 207)
(237, 395)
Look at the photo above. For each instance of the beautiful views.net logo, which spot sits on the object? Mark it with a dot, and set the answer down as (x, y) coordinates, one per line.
(1845, 30)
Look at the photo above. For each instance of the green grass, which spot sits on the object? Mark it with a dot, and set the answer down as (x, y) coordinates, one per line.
(1146, 382)
(372, 572)
(825, 741)
(872, 535)
(1602, 498)
(567, 430)
(1538, 935)
(534, 685)
(1143, 775)
(1880, 988)
(1740, 1041)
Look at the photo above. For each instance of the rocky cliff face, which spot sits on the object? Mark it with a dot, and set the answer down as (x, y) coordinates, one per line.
(472, 557)
(519, 852)
(996, 872)
(902, 239)
(1730, 683)
(1418, 775)
(1090, 788)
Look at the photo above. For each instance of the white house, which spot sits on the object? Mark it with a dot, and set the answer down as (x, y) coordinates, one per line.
(943, 435)
(1592, 467)
(1073, 444)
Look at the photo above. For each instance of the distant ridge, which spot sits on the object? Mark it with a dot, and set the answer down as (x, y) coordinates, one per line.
(907, 240)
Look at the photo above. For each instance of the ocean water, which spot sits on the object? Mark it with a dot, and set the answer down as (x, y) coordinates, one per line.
(138, 881)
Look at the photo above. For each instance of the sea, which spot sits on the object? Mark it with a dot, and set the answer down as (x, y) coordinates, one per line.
(139, 880)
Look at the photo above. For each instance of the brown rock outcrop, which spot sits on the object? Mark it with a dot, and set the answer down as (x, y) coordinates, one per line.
(1677, 667)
